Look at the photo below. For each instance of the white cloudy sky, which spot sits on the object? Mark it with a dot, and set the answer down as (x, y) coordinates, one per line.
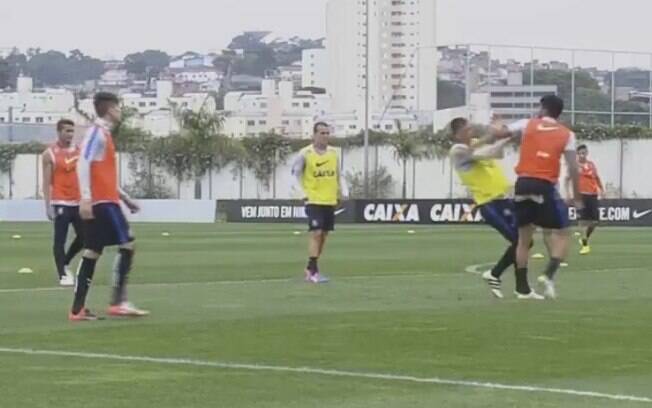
(204, 25)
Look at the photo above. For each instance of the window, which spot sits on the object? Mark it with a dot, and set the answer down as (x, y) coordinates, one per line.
(295, 104)
(297, 122)
(285, 122)
(142, 104)
(39, 120)
(262, 122)
(251, 123)
(353, 127)
(376, 126)
(263, 105)
(306, 104)
(2, 119)
(152, 103)
(27, 120)
(389, 127)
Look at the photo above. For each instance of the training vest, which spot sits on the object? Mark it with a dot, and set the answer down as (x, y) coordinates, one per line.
(320, 179)
(64, 189)
(542, 146)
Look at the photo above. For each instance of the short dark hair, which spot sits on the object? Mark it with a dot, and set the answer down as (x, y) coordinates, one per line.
(582, 147)
(553, 105)
(458, 124)
(103, 102)
(317, 125)
(64, 122)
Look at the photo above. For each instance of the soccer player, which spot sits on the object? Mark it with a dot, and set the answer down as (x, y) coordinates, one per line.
(105, 223)
(474, 159)
(591, 188)
(61, 195)
(319, 181)
(544, 141)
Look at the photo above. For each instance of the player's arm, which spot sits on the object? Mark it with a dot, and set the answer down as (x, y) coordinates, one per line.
(92, 149)
(493, 151)
(298, 168)
(132, 204)
(599, 180)
(48, 165)
(570, 154)
(513, 131)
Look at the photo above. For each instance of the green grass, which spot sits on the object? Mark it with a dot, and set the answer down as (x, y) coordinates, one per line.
(398, 304)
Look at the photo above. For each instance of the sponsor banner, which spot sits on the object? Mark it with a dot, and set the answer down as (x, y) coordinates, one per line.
(612, 212)
(274, 211)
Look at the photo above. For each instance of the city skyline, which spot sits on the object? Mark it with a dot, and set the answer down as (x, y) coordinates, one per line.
(64, 25)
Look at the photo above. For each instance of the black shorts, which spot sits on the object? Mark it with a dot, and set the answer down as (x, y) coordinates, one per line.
(538, 203)
(591, 210)
(499, 214)
(320, 217)
(108, 228)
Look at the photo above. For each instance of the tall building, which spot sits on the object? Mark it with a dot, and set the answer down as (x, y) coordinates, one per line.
(402, 55)
(314, 63)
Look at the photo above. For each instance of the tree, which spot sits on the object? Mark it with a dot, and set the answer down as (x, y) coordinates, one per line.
(140, 62)
(264, 153)
(380, 178)
(53, 68)
(407, 145)
(563, 80)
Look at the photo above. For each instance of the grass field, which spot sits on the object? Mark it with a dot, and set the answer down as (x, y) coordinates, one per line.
(401, 324)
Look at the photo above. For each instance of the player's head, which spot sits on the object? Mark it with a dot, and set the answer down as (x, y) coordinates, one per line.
(65, 131)
(552, 106)
(582, 152)
(321, 134)
(460, 131)
(107, 106)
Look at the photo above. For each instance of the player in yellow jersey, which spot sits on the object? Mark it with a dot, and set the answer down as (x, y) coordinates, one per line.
(474, 159)
(319, 181)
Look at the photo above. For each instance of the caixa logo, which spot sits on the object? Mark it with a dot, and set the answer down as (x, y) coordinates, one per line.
(454, 212)
(391, 213)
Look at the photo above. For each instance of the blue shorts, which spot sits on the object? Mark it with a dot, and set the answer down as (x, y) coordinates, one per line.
(501, 215)
(108, 228)
(538, 203)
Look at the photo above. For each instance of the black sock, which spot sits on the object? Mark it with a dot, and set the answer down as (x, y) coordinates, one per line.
(505, 262)
(312, 265)
(589, 232)
(553, 266)
(59, 259)
(522, 284)
(84, 279)
(73, 250)
(585, 241)
(121, 271)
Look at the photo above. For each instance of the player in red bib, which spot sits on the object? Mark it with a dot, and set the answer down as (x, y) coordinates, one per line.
(591, 189)
(544, 142)
(104, 222)
(61, 195)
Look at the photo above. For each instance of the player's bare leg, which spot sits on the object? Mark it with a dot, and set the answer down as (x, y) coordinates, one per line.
(315, 248)
(523, 290)
(559, 243)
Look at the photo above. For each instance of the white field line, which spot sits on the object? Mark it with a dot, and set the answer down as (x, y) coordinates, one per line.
(236, 282)
(479, 269)
(328, 372)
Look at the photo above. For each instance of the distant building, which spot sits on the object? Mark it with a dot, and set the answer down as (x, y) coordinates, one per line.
(314, 65)
(35, 106)
(197, 75)
(278, 108)
(192, 60)
(514, 100)
(402, 56)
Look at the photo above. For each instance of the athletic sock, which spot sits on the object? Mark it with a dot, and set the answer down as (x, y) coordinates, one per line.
(585, 241)
(312, 265)
(522, 285)
(121, 270)
(589, 232)
(552, 268)
(74, 249)
(84, 279)
(505, 262)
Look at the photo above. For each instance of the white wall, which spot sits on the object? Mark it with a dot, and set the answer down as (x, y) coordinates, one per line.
(433, 179)
(315, 68)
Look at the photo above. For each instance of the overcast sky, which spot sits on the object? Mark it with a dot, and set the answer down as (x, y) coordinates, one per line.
(208, 25)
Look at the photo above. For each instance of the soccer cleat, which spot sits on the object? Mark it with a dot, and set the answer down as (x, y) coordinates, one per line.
(308, 275)
(494, 284)
(585, 250)
(530, 296)
(564, 265)
(549, 290)
(84, 315)
(126, 309)
(66, 281)
(318, 278)
(538, 256)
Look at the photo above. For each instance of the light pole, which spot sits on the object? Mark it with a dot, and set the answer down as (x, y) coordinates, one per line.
(366, 100)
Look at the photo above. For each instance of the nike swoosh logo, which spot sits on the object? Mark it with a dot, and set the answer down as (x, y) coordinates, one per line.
(71, 160)
(637, 215)
(340, 211)
(322, 163)
(544, 128)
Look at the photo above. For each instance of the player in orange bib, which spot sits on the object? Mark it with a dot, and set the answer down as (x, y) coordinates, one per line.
(590, 188)
(544, 141)
(61, 195)
(104, 222)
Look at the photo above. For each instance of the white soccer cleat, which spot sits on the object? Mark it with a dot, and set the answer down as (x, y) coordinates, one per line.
(69, 272)
(549, 290)
(494, 284)
(530, 296)
(67, 281)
